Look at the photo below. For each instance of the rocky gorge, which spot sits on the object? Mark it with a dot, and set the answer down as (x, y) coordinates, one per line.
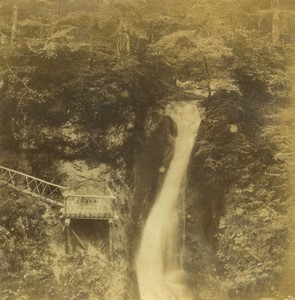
(84, 91)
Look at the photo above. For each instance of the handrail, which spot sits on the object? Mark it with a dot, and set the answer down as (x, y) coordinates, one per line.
(35, 178)
(102, 206)
(110, 191)
(89, 196)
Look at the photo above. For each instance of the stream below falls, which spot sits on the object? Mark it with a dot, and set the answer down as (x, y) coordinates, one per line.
(159, 267)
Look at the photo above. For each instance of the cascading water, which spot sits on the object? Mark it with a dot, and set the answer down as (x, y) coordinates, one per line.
(158, 264)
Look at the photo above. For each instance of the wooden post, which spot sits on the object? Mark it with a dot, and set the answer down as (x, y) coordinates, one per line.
(69, 245)
(111, 229)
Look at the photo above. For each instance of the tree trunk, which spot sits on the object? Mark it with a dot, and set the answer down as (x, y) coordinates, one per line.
(123, 40)
(275, 21)
(207, 76)
(14, 22)
(59, 7)
(127, 42)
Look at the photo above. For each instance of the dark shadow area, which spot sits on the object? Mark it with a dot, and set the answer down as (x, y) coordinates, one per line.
(93, 232)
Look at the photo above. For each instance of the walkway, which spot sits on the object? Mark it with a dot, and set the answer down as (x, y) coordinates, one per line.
(75, 206)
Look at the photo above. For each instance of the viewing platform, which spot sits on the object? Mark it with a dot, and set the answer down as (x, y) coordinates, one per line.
(74, 206)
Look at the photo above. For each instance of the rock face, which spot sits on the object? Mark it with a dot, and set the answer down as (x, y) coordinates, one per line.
(72, 140)
(81, 178)
(134, 158)
(152, 159)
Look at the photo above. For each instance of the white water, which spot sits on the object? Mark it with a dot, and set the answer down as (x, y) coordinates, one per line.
(159, 271)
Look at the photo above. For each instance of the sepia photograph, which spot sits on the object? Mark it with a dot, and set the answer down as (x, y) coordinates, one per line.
(147, 149)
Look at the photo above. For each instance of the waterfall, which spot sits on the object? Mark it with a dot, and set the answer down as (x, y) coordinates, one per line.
(158, 264)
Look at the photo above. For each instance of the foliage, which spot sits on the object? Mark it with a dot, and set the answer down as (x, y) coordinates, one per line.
(63, 70)
(243, 155)
(29, 269)
(23, 232)
(24, 244)
(76, 81)
(85, 276)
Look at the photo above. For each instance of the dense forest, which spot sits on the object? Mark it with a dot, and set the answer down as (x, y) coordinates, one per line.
(83, 84)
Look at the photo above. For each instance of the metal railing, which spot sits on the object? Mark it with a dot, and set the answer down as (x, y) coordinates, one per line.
(89, 207)
(49, 192)
(75, 206)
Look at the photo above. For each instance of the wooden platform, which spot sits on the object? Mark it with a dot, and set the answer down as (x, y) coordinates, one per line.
(74, 206)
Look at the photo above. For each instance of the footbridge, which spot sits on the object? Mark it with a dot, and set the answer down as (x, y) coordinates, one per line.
(75, 206)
